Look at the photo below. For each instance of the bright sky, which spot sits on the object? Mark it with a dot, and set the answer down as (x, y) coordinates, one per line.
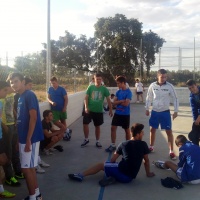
(23, 22)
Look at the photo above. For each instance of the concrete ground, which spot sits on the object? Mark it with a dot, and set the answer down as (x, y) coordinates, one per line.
(54, 184)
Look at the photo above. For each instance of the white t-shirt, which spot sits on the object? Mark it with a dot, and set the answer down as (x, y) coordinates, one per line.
(139, 87)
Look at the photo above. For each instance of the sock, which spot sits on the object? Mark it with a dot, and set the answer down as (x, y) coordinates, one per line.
(39, 159)
(171, 151)
(97, 140)
(86, 139)
(1, 188)
(37, 191)
(151, 147)
(113, 144)
(32, 197)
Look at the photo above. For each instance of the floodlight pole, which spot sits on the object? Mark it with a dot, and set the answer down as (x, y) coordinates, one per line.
(194, 61)
(48, 67)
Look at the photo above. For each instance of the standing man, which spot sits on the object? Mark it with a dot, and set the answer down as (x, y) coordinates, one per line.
(58, 99)
(94, 98)
(122, 112)
(159, 94)
(139, 90)
(29, 131)
(194, 135)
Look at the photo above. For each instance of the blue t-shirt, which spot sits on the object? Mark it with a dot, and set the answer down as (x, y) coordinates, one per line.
(123, 95)
(57, 96)
(1, 111)
(28, 101)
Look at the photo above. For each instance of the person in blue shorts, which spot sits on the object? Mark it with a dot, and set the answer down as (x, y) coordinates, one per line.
(159, 95)
(30, 132)
(122, 113)
(132, 151)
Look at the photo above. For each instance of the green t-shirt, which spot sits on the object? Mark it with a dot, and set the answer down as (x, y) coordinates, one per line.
(96, 97)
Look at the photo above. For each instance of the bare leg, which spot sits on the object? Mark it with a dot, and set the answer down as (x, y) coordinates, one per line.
(137, 97)
(54, 140)
(86, 130)
(113, 133)
(93, 170)
(31, 180)
(97, 132)
(170, 139)
(171, 165)
(142, 97)
(64, 123)
(152, 136)
(60, 125)
(128, 134)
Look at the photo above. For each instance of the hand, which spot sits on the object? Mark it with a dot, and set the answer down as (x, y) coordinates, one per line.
(110, 113)
(27, 147)
(86, 110)
(53, 104)
(147, 113)
(64, 110)
(174, 115)
(150, 174)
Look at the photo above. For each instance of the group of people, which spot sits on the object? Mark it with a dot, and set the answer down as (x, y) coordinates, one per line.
(33, 134)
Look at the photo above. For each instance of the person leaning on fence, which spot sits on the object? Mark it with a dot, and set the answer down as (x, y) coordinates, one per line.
(132, 151)
(194, 99)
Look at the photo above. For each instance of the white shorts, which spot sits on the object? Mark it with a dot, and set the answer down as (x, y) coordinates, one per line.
(178, 173)
(29, 159)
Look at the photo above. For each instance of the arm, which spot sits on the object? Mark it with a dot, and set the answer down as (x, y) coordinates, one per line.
(195, 113)
(147, 166)
(110, 106)
(86, 103)
(176, 104)
(65, 103)
(114, 157)
(182, 158)
(126, 102)
(50, 101)
(149, 99)
(51, 134)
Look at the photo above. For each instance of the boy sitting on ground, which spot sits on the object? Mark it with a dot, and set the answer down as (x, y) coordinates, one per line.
(132, 151)
(188, 167)
(51, 136)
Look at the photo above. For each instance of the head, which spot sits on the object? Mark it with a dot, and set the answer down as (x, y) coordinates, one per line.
(137, 131)
(28, 83)
(180, 140)
(192, 86)
(112, 96)
(97, 79)
(17, 81)
(121, 81)
(162, 76)
(137, 80)
(3, 89)
(48, 115)
(54, 82)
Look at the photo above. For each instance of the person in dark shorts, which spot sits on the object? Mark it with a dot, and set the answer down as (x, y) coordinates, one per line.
(133, 152)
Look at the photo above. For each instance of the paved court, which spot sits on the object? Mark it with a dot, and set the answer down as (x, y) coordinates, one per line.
(54, 184)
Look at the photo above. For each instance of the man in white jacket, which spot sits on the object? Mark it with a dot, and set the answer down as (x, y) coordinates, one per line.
(159, 94)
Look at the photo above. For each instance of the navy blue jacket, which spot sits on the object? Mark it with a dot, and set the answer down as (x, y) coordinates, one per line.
(189, 156)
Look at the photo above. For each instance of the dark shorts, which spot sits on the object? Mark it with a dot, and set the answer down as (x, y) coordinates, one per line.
(97, 118)
(2, 146)
(45, 142)
(121, 120)
(59, 115)
(139, 92)
(112, 170)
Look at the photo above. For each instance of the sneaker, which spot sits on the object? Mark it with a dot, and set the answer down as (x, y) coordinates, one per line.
(39, 170)
(69, 130)
(107, 181)
(151, 149)
(13, 182)
(67, 136)
(98, 145)
(52, 150)
(43, 164)
(159, 164)
(39, 197)
(19, 175)
(110, 148)
(6, 194)
(172, 156)
(47, 152)
(27, 198)
(85, 142)
(76, 177)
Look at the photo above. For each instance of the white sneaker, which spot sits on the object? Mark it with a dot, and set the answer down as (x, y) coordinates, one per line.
(43, 164)
(47, 152)
(52, 149)
(39, 170)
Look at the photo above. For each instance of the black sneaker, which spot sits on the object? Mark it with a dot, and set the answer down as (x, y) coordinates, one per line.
(110, 148)
(13, 182)
(76, 177)
(26, 198)
(85, 142)
(39, 197)
(107, 181)
(67, 137)
(19, 175)
(98, 145)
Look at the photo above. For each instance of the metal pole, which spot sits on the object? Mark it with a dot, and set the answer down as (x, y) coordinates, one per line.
(159, 58)
(48, 67)
(140, 59)
(194, 61)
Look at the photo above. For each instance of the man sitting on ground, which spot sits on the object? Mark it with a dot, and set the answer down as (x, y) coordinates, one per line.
(51, 136)
(132, 151)
(188, 167)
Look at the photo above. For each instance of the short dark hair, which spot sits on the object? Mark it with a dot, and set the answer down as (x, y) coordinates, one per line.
(14, 75)
(190, 82)
(121, 79)
(46, 113)
(112, 95)
(97, 75)
(137, 79)
(136, 129)
(180, 139)
(162, 71)
(53, 79)
(27, 80)
(4, 84)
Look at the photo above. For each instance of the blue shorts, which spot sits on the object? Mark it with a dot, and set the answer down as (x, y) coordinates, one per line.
(162, 118)
(111, 169)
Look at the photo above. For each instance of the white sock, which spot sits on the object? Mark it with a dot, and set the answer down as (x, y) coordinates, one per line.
(1, 188)
(32, 197)
(171, 151)
(86, 139)
(97, 140)
(37, 191)
(113, 144)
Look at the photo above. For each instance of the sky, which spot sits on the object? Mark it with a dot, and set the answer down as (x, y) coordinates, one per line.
(23, 23)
